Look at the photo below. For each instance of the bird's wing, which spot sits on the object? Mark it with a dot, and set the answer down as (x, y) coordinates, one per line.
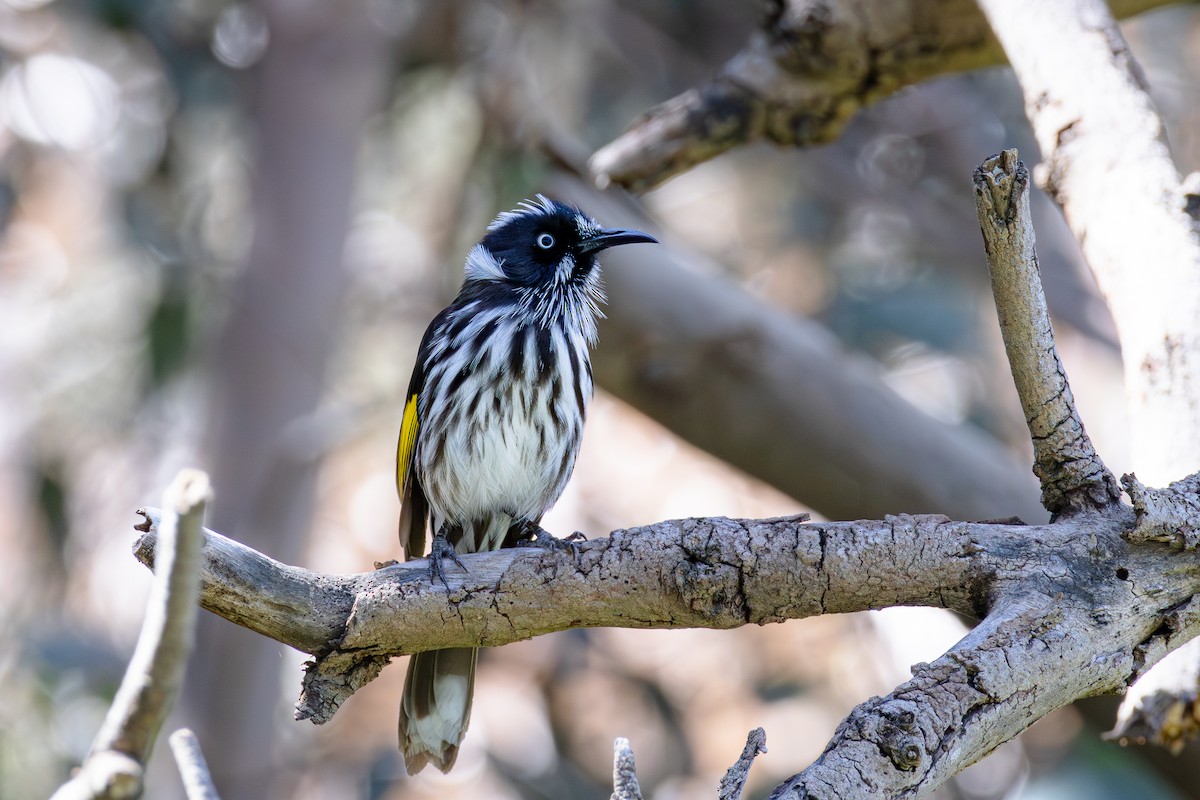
(414, 509)
(404, 448)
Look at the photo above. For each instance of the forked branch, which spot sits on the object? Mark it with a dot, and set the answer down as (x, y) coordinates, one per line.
(1108, 164)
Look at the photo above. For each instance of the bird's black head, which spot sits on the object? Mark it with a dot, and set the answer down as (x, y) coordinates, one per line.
(544, 244)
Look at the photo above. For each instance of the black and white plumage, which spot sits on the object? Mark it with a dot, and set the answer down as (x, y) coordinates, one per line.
(492, 423)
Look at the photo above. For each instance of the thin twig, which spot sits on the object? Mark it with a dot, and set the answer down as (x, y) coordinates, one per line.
(193, 769)
(1073, 476)
(156, 668)
(735, 778)
(114, 766)
(625, 779)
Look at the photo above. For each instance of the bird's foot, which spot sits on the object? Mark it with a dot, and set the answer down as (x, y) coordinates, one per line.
(537, 536)
(440, 550)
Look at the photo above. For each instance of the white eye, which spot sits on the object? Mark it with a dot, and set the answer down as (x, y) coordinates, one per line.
(545, 241)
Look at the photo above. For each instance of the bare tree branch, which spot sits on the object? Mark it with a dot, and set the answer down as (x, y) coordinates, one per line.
(1073, 476)
(734, 779)
(304, 610)
(1023, 661)
(625, 779)
(1107, 163)
(114, 767)
(1072, 609)
(197, 780)
(802, 78)
(713, 573)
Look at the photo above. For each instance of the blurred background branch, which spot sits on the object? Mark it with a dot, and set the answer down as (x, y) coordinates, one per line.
(778, 396)
(803, 76)
(317, 82)
(193, 769)
(114, 768)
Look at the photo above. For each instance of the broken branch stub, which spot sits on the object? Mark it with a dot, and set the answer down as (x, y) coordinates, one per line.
(1073, 476)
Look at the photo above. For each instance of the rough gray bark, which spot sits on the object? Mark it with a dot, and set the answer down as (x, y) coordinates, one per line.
(1107, 163)
(1073, 476)
(1071, 610)
(1166, 515)
(800, 79)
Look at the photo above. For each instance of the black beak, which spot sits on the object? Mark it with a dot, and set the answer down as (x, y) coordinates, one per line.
(611, 237)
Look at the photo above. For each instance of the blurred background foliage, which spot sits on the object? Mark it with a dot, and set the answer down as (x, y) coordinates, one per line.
(224, 228)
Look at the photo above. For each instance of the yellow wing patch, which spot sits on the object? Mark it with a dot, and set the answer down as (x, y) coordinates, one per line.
(408, 436)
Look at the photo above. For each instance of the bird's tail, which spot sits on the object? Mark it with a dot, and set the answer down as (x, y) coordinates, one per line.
(436, 707)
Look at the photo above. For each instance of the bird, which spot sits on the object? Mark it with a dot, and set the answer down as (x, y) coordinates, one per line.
(492, 423)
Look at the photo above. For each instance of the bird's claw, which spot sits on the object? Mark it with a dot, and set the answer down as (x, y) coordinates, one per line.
(442, 549)
(541, 538)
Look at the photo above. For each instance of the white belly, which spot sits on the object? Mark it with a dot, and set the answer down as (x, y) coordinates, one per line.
(512, 452)
(495, 465)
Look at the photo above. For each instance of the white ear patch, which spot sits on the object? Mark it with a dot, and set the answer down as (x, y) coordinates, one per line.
(483, 266)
